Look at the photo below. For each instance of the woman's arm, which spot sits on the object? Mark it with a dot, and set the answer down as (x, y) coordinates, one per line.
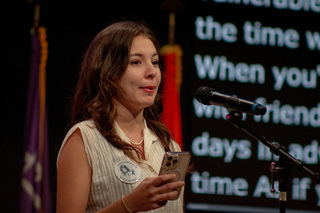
(73, 176)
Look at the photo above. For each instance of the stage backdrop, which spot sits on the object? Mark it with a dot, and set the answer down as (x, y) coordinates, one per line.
(266, 51)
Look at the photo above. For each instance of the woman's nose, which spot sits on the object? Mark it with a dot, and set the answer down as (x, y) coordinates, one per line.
(151, 71)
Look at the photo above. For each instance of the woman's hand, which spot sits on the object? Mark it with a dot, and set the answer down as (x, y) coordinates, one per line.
(152, 193)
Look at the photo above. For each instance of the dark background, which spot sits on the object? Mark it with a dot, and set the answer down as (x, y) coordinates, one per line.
(70, 28)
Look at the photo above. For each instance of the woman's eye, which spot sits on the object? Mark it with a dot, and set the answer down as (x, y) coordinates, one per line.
(135, 62)
(155, 62)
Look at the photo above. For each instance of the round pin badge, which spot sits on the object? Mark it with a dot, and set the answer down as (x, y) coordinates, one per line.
(127, 171)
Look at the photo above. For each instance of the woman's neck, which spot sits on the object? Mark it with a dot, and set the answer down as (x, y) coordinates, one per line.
(131, 123)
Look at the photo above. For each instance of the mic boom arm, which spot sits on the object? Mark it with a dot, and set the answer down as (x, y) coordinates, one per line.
(285, 159)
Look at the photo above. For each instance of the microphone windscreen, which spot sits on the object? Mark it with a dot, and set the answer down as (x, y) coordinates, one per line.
(203, 95)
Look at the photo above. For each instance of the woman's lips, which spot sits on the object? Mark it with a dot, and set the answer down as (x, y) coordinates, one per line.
(148, 89)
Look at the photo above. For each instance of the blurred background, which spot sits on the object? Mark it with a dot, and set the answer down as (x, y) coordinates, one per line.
(224, 156)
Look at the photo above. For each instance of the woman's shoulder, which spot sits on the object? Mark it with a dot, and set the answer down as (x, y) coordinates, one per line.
(83, 128)
(174, 146)
(85, 124)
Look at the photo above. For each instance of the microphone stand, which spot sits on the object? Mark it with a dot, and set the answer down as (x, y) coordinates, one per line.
(286, 161)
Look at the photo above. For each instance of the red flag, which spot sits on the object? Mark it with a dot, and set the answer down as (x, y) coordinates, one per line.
(171, 115)
(35, 188)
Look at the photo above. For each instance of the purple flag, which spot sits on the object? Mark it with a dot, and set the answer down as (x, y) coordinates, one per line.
(35, 186)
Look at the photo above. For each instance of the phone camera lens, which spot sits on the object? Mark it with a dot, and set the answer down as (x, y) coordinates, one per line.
(168, 164)
(175, 161)
(170, 158)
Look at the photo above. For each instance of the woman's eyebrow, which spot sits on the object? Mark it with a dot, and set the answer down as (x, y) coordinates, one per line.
(141, 55)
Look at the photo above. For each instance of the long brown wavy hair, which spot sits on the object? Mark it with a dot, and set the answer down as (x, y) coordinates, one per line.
(103, 66)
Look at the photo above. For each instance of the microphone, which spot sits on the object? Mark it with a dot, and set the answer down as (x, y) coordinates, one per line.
(209, 96)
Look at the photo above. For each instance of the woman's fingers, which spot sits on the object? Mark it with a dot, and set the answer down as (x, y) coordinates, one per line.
(170, 186)
(154, 192)
(167, 190)
(166, 183)
(160, 180)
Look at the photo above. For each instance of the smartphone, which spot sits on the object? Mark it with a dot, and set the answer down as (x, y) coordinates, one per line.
(175, 163)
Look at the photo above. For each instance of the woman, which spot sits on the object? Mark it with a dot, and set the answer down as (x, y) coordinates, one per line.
(110, 159)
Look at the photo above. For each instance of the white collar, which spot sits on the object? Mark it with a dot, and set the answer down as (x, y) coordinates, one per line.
(149, 136)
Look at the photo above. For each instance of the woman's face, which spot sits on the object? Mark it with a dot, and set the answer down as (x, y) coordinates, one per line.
(142, 77)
